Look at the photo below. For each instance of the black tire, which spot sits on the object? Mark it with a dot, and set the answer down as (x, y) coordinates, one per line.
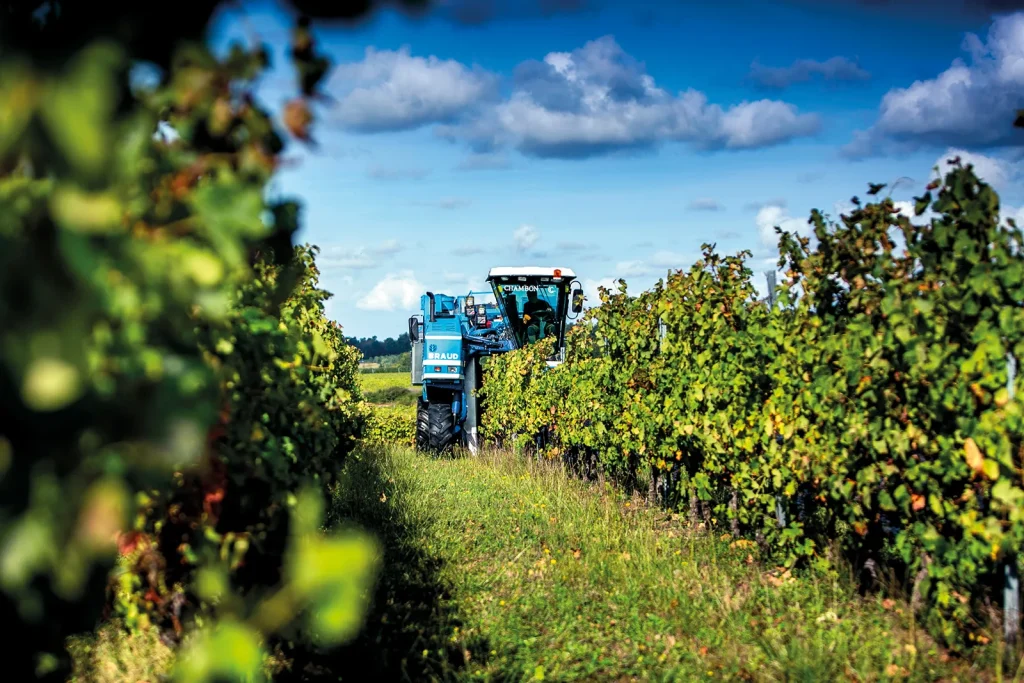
(422, 425)
(442, 426)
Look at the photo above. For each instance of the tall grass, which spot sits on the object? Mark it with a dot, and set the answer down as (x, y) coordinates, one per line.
(536, 575)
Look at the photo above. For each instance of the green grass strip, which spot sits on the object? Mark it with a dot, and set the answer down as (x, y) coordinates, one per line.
(503, 570)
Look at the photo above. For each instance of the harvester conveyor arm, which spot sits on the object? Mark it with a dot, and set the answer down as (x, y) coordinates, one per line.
(483, 342)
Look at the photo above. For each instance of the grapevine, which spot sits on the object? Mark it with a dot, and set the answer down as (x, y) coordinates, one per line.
(869, 408)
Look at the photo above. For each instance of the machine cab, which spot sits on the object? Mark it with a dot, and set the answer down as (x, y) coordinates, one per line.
(535, 302)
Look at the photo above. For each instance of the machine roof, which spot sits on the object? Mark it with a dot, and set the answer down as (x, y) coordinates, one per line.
(512, 271)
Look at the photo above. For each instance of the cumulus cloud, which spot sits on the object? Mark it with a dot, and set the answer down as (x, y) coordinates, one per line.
(396, 292)
(594, 100)
(672, 259)
(629, 269)
(598, 99)
(770, 216)
(387, 248)
(1012, 212)
(661, 260)
(705, 204)
(525, 236)
(591, 289)
(969, 104)
(996, 172)
(391, 90)
(781, 77)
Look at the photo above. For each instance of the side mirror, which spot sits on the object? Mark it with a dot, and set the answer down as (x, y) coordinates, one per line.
(414, 329)
(577, 301)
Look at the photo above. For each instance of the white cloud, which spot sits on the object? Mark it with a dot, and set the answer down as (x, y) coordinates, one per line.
(672, 259)
(396, 292)
(387, 248)
(591, 293)
(1014, 212)
(772, 215)
(628, 269)
(597, 99)
(393, 90)
(996, 172)
(525, 236)
(966, 105)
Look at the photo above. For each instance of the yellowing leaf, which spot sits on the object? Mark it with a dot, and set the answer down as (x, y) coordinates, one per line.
(973, 455)
(1002, 398)
(86, 212)
(991, 469)
(50, 384)
(205, 268)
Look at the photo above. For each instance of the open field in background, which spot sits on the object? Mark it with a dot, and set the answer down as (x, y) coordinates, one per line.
(377, 381)
(502, 569)
(393, 399)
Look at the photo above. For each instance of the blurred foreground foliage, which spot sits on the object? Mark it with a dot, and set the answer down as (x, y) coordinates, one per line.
(172, 397)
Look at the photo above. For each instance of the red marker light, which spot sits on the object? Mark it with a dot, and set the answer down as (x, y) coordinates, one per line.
(558, 272)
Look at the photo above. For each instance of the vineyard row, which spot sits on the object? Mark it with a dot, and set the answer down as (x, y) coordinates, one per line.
(867, 412)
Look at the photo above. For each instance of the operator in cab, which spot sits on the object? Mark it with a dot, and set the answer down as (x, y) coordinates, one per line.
(534, 306)
(535, 311)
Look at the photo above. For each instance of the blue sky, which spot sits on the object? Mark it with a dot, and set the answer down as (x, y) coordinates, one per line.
(616, 137)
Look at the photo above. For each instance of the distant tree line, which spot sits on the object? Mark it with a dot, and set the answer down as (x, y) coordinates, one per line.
(372, 347)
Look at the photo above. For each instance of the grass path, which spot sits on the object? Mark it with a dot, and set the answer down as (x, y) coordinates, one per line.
(501, 570)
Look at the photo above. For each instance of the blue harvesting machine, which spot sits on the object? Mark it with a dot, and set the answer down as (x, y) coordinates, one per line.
(452, 334)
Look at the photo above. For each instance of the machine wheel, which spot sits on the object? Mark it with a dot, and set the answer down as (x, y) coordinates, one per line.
(422, 425)
(441, 427)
